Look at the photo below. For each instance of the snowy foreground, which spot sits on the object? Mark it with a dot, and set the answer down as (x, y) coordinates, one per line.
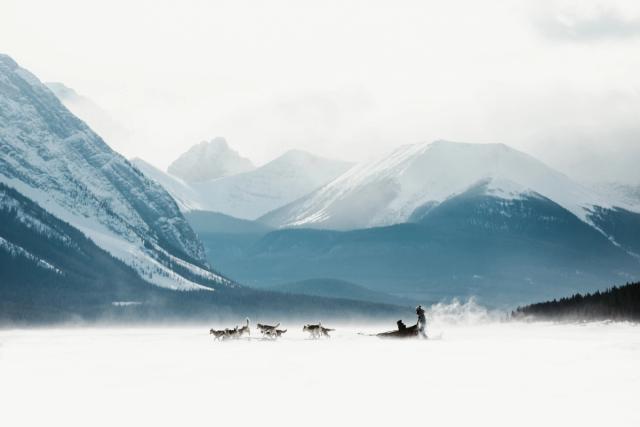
(479, 373)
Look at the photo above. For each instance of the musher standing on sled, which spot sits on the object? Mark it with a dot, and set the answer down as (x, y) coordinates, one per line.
(422, 322)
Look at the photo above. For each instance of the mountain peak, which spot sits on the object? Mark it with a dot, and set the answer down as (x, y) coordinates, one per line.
(217, 144)
(209, 160)
(387, 190)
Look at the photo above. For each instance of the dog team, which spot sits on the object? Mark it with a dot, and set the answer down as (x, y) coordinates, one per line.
(270, 332)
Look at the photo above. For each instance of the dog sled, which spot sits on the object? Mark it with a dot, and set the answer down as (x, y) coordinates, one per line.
(402, 332)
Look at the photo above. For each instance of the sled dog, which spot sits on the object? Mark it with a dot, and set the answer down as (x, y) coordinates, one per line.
(244, 330)
(274, 333)
(317, 330)
(217, 334)
(232, 333)
(267, 329)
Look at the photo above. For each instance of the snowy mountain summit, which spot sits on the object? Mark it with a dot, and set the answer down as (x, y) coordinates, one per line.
(251, 194)
(56, 160)
(209, 160)
(414, 178)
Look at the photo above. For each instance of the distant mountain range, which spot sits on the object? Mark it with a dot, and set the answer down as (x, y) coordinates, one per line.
(416, 178)
(252, 194)
(442, 220)
(209, 160)
(86, 235)
(427, 222)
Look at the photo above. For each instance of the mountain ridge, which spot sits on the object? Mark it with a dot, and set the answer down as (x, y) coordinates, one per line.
(251, 194)
(390, 190)
(501, 251)
(55, 159)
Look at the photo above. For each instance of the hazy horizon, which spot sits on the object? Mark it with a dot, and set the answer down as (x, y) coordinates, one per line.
(559, 80)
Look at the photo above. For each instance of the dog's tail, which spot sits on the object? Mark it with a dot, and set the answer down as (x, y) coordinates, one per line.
(247, 321)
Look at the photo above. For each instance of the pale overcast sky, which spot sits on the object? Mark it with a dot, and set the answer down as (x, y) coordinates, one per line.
(349, 79)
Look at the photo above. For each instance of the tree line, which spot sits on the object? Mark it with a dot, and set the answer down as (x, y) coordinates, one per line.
(616, 303)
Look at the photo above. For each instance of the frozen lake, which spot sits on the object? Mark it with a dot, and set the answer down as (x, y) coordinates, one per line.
(480, 373)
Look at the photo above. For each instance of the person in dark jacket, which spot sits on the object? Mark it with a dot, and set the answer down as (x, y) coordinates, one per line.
(422, 321)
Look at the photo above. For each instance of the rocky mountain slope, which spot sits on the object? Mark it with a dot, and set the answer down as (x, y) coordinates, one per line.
(56, 160)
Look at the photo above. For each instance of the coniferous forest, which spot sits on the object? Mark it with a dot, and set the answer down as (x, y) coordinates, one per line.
(617, 303)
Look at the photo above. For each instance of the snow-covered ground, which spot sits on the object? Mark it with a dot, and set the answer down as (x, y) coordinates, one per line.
(479, 373)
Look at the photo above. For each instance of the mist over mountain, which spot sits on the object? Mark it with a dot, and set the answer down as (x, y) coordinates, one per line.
(629, 194)
(209, 160)
(251, 194)
(429, 221)
(414, 177)
(86, 236)
(185, 196)
(96, 117)
(442, 220)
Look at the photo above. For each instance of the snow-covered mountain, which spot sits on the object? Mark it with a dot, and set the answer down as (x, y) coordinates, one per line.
(98, 119)
(281, 181)
(50, 271)
(252, 194)
(56, 160)
(627, 193)
(209, 160)
(415, 178)
(184, 195)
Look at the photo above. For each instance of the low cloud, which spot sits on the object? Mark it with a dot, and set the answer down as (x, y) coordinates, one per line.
(600, 24)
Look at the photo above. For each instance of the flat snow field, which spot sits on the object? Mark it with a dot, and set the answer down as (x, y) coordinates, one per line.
(489, 373)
